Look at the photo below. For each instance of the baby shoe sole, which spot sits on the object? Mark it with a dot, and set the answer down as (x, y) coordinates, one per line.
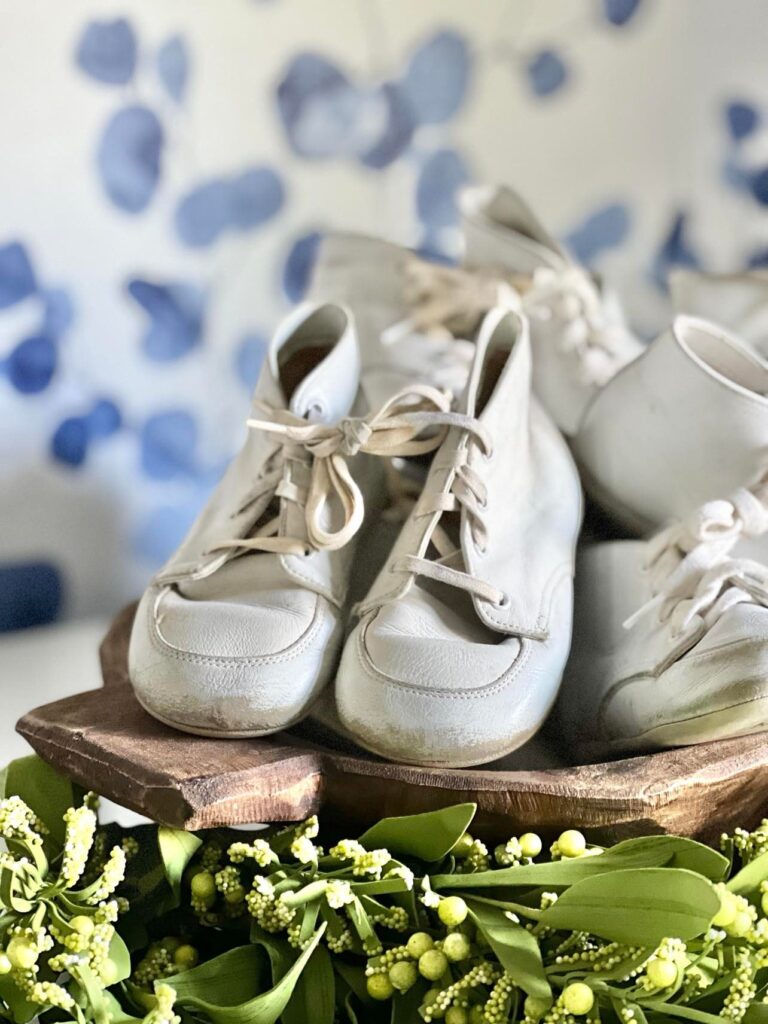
(227, 734)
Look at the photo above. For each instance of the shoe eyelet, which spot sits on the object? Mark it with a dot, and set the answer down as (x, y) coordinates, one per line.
(504, 602)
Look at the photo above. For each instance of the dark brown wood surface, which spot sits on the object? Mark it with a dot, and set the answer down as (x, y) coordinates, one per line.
(105, 741)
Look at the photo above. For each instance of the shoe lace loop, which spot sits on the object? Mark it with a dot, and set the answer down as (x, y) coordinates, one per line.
(309, 467)
(694, 580)
(449, 301)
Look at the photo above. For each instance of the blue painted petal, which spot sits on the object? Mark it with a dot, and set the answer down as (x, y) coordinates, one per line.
(17, 278)
(398, 132)
(437, 76)
(734, 175)
(603, 229)
(322, 113)
(299, 264)
(163, 530)
(204, 213)
(173, 67)
(256, 196)
(30, 594)
(759, 186)
(59, 311)
(129, 157)
(107, 51)
(547, 73)
(249, 357)
(758, 259)
(441, 177)
(168, 441)
(31, 365)
(675, 250)
(69, 443)
(104, 419)
(741, 118)
(176, 313)
(619, 12)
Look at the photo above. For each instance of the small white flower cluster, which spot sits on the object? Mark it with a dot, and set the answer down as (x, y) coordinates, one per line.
(364, 862)
(163, 1013)
(259, 851)
(17, 821)
(112, 874)
(302, 847)
(268, 910)
(742, 989)
(456, 993)
(78, 839)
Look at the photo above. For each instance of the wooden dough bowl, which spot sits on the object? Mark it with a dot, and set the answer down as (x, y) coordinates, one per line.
(105, 741)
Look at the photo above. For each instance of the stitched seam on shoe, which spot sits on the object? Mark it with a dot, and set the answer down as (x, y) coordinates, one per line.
(327, 592)
(496, 686)
(287, 654)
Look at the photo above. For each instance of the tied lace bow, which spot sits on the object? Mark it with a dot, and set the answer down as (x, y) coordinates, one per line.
(451, 300)
(693, 578)
(323, 450)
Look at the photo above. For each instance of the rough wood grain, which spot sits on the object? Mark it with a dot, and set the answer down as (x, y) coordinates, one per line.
(105, 741)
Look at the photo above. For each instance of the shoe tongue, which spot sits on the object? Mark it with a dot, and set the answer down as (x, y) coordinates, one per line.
(500, 230)
(316, 361)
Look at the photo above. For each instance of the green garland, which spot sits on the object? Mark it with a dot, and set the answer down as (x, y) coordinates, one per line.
(414, 921)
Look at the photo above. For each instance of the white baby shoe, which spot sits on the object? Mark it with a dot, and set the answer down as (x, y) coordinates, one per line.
(374, 278)
(579, 339)
(241, 629)
(736, 301)
(462, 640)
(670, 636)
(684, 423)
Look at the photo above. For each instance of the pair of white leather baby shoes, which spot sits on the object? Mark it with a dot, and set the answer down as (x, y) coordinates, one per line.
(455, 651)
(671, 634)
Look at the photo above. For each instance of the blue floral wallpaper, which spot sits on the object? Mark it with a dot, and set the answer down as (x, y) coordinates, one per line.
(169, 168)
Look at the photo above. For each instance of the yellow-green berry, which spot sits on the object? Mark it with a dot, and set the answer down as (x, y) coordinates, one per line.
(403, 975)
(5, 964)
(572, 843)
(463, 847)
(456, 946)
(203, 886)
(578, 998)
(235, 895)
(171, 943)
(380, 987)
(432, 965)
(418, 944)
(457, 1015)
(22, 953)
(82, 925)
(108, 972)
(477, 1015)
(185, 957)
(661, 973)
(729, 907)
(535, 1008)
(452, 911)
(530, 844)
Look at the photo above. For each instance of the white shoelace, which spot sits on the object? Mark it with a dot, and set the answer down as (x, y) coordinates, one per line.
(449, 301)
(463, 490)
(310, 466)
(694, 580)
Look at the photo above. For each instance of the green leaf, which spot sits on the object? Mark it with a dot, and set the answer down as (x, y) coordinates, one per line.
(22, 1010)
(517, 950)
(684, 1012)
(119, 955)
(177, 849)
(216, 987)
(649, 852)
(639, 907)
(429, 836)
(757, 1013)
(44, 790)
(751, 875)
(314, 997)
